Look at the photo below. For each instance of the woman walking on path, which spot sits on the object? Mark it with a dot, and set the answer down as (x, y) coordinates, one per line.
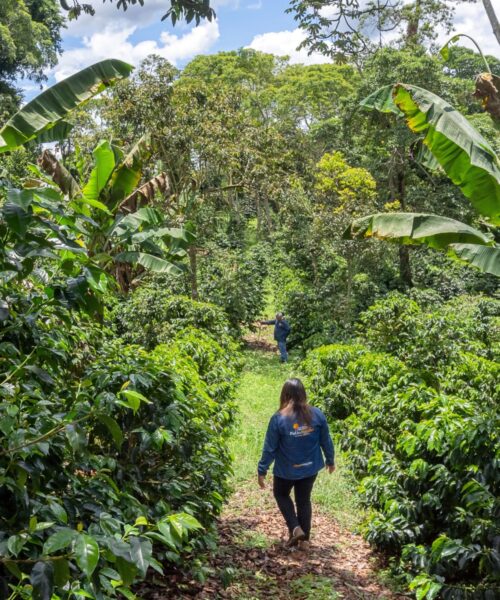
(296, 436)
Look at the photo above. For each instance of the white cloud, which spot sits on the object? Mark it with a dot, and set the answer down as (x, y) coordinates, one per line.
(108, 15)
(255, 5)
(285, 43)
(215, 4)
(114, 42)
(472, 20)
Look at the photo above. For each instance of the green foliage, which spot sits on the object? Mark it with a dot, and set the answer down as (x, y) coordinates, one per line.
(429, 338)
(113, 460)
(29, 38)
(234, 280)
(151, 316)
(46, 110)
(419, 422)
(130, 464)
(341, 377)
(216, 362)
(313, 587)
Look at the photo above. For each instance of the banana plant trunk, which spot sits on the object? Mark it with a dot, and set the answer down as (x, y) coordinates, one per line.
(399, 191)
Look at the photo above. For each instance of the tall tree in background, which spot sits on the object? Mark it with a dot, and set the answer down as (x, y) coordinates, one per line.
(30, 38)
(345, 28)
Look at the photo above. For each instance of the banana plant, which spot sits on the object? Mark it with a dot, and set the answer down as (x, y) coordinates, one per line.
(120, 231)
(43, 119)
(468, 160)
(462, 152)
(441, 233)
(43, 238)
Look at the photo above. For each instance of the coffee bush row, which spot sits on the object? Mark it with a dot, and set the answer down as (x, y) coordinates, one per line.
(420, 426)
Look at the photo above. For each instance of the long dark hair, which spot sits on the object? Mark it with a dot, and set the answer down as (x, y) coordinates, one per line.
(293, 401)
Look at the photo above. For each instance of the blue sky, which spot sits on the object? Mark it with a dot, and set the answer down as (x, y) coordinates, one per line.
(260, 24)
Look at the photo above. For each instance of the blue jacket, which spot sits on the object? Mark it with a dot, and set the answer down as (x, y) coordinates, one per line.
(281, 329)
(295, 448)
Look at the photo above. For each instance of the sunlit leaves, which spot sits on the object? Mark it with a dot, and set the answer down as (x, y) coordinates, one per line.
(86, 553)
(49, 108)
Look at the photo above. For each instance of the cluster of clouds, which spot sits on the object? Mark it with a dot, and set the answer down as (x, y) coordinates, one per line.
(110, 34)
(114, 42)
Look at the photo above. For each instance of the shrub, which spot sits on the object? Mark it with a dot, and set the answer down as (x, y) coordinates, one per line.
(430, 337)
(341, 377)
(112, 460)
(419, 422)
(110, 473)
(433, 486)
(472, 378)
(152, 316)
(217, 365)
(234, 281)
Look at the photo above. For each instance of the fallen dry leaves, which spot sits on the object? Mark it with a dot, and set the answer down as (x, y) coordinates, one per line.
(251, 563)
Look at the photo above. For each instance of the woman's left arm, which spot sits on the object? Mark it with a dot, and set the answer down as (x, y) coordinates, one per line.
(327, 445)
(269, 451)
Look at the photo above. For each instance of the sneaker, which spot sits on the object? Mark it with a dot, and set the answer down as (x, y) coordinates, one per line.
(297, 535)
(304, 545)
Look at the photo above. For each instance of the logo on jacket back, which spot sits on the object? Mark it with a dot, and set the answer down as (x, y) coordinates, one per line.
(301, 430)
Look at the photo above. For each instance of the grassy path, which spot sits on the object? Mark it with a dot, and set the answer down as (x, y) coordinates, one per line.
(251, 563)
(258, 399)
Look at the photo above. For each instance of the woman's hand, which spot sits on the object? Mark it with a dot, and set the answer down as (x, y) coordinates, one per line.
(262, 481)
(331, 468)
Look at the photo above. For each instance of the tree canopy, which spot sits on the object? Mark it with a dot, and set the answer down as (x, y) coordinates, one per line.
(30, 38)
(176, 9)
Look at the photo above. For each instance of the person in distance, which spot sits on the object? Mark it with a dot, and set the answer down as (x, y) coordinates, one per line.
(281, 332)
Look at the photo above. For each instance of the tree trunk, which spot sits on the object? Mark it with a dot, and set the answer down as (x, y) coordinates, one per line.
(259, 214)
(413, 25)
(267, 213)
(495, 25)
(193, 271)
(405, 266)
(398, 189)
(349, 292)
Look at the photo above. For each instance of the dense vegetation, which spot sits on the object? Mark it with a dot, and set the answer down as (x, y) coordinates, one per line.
(416, 409)
(136, 252)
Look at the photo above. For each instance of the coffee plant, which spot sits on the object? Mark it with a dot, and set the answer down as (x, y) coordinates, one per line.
(152, 315)
(425, 449)
(113, 459)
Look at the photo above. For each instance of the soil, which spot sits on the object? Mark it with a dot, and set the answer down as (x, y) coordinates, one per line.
(251, 562)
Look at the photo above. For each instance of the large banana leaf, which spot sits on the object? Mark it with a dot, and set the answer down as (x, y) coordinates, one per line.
(104, 164)
(127, 176)
(381, 100)
(149, 262)
(466, 157)
(51, 106)
(416, 228)
(59, 132)
(485, 258)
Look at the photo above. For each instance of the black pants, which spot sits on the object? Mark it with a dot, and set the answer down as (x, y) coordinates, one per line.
(302, 489)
